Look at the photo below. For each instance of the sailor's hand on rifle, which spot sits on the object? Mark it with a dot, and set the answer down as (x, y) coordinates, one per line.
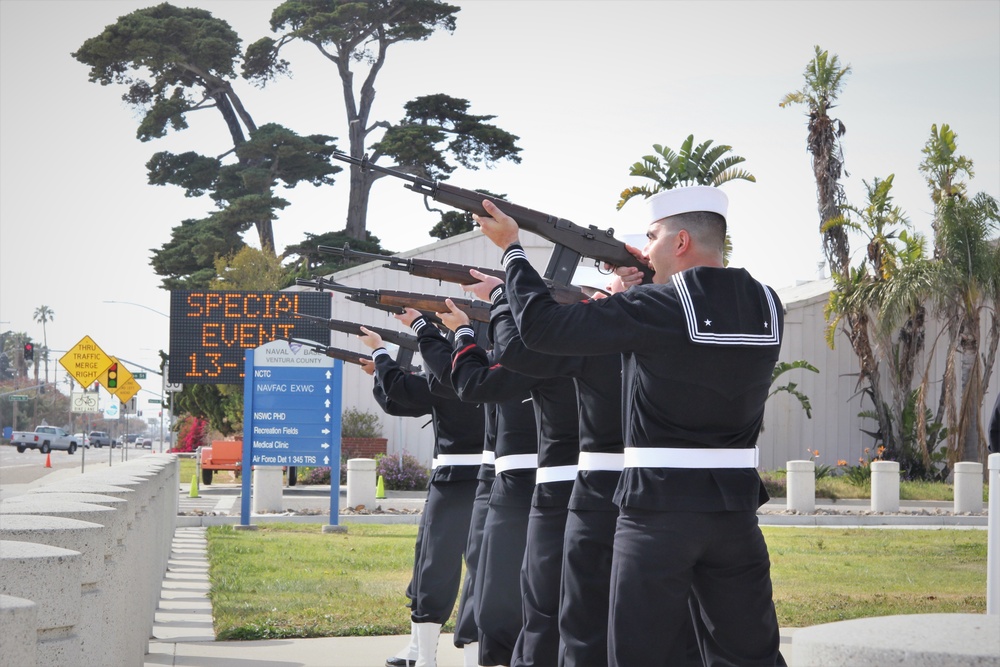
(370, 339)
(367, 365)
(626, 276)
(499, 227)
(484, 285)
(408, 316)
(455, 317)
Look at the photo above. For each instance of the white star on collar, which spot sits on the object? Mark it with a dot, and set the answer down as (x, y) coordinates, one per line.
(766, 325)
(708, 323)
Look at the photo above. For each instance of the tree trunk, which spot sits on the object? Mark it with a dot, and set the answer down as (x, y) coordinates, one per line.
(969, 431)
(357, 207)
(857, 333)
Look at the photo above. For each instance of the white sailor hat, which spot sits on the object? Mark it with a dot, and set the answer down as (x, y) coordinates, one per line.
(686, 200)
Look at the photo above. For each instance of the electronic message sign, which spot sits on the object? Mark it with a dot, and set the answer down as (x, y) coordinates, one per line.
(210, 331)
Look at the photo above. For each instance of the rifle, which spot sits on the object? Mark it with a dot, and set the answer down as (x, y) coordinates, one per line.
(320, 283)
(348, 355)
(335, 352)
(571, 240)
(386, 299)
(448, 272)
(402, 339)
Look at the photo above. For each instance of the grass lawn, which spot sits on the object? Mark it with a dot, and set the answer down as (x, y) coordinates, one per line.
(292, 580)
(188, 468)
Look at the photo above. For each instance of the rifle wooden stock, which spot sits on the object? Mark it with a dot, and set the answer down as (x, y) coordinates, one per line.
(346, 355)
(448, 272)
(400, 338)
(427, 302)
(334, 352)
(363, 296)
(591, 241)
(422, 268)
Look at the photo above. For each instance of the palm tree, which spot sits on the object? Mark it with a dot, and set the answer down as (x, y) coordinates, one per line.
(44, 314)
(824, 78)
(882, 300)
(968, 285)
(944, 168)
(692, 165)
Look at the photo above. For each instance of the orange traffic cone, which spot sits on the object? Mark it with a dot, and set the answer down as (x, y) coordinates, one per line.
(48, 460)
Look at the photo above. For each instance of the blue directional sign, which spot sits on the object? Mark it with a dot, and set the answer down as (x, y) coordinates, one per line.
(291, 412)
(294, 406)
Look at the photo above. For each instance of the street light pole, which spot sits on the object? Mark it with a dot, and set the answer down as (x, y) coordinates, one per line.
(141, 305)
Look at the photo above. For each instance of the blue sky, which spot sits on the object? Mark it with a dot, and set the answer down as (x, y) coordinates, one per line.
(588, 85)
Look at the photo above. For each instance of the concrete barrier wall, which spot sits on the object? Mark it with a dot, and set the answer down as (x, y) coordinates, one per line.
(102, 539)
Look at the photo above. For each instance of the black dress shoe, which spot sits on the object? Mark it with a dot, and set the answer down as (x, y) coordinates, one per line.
(400, 662)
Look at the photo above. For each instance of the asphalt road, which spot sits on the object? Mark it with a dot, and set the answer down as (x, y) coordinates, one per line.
(17, 470)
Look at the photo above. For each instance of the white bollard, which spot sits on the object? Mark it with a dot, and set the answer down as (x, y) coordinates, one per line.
(50, 577)
(89, 540)
(267, 491)
(968, 487)
(801, 478)
(19, 629)
(361, 483)
(885, 486)
(118, 581)
(993, 539)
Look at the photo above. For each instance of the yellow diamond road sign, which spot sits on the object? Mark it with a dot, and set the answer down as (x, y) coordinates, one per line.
(86, 361)
(116, 377)
(128, 389)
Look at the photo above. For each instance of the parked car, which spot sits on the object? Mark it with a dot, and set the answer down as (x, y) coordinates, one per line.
(145, 443)
(127, 439)
(44, 439)
(82, 439)
(100, 439)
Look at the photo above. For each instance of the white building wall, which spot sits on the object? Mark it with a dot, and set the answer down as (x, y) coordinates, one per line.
(835, 429)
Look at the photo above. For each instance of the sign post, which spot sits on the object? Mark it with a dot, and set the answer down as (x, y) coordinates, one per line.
(291, 414)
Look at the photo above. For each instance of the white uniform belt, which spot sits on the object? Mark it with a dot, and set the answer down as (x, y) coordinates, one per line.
(457, 460)
(601, 461)
(675, 457)
(555, 474)
(516, 462)
(489, 457)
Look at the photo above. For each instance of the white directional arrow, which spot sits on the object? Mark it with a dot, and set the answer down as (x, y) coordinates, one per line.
(329, 375)
(328, 389)
(326, 403)
(326, 417)
(325, 445)
(324, 431)
(326, 460)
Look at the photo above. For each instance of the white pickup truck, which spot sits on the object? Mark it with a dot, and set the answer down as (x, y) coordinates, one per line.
(44, 439)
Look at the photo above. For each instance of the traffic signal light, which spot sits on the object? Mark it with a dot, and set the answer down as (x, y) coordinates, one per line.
(29, 351)
(113, 376)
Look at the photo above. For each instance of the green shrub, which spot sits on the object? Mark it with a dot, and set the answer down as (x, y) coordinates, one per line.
(356, 423)
(775, 482)
(401, 473)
